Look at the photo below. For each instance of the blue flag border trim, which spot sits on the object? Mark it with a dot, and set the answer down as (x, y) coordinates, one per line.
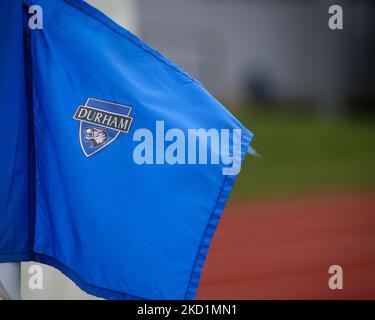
(94, 13)
(217, 211)
(220, 203)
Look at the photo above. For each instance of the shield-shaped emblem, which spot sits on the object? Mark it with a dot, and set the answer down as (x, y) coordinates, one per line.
(101, 122)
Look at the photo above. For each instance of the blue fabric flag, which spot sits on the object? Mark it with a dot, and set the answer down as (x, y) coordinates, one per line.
(15, 161)
(100, 177)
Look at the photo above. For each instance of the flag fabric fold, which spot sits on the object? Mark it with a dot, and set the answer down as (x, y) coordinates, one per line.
(15, 156)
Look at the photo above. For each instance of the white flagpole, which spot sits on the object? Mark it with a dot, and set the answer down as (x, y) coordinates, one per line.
(10, 281)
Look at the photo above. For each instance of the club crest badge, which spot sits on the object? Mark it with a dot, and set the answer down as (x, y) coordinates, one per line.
(101, 122)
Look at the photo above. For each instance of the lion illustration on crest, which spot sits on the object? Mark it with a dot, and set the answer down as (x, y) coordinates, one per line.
(97, 136)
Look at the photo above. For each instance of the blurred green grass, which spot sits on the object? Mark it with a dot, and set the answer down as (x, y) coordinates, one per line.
(305, 153)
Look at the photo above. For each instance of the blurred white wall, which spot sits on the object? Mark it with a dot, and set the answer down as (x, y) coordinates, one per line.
(124, 12)
(285, 46)
(55, 285)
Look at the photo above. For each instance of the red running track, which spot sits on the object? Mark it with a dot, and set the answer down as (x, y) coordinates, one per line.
(283, 249)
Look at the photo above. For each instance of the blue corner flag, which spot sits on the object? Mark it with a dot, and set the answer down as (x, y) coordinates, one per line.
(117, 164)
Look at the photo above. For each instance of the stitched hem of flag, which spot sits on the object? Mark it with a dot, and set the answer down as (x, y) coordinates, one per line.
(29, 90)
(88, 288)
(15, 257)
(213, 222)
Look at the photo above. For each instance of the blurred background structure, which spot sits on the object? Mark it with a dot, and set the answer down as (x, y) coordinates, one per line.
(307, 92)
(269, 51)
